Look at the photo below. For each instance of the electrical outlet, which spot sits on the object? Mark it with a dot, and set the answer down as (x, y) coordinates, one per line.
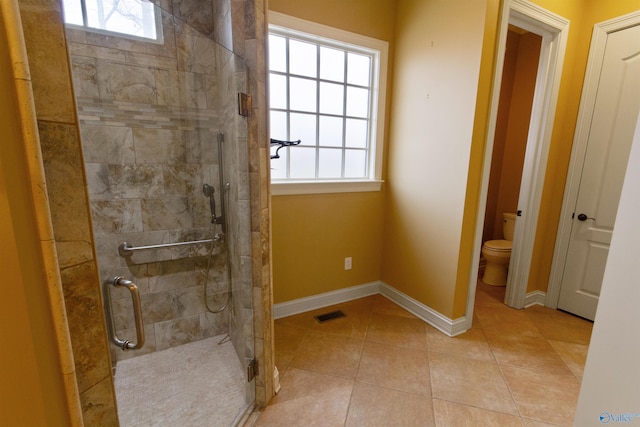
(347, 263)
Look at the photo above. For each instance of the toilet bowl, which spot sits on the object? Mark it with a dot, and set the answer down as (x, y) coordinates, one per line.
(497, 253)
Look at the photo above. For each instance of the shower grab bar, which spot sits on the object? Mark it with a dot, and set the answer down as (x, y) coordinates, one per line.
(127, 249)
(117, 282)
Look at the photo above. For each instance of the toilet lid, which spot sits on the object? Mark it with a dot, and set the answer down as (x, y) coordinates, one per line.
(498, 245)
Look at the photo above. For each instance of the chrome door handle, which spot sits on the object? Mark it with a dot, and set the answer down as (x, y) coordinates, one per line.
(117, 282)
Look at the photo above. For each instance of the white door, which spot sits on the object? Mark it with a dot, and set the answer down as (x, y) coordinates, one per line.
(612, 128)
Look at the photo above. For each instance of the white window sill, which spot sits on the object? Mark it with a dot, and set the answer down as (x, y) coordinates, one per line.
(282, 188)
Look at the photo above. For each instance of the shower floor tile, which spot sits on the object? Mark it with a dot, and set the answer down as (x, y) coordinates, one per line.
(196, 384)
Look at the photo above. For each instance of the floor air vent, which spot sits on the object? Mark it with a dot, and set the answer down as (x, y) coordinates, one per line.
(330, 316)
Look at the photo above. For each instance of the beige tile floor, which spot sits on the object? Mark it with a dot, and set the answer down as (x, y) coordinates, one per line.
(381, 366)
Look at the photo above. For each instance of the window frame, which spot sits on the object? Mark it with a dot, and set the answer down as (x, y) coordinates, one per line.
(159, 39)
(379, 49)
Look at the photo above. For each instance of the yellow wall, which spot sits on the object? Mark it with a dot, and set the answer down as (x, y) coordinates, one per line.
(583, 14)
(32, 389)
(476, 161)
(432, 185)
(312, 234)
(437, 64)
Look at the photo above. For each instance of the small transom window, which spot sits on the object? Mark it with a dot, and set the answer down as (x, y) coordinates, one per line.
(130, 18)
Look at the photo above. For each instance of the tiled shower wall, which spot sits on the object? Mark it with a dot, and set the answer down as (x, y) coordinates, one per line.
(150, 115)
(60, 144)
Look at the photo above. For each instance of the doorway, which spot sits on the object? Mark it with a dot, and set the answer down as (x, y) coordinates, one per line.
(553, 30)
(522, 54)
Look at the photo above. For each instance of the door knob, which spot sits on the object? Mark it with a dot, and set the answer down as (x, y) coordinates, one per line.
(583, 217)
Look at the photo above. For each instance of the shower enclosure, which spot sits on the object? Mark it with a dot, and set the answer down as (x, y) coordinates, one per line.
(163, 142)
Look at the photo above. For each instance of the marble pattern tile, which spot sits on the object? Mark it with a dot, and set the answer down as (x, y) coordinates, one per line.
(107, 144)
(116, 216)
(287, 341)
(85, 320)
(505, 320)
(386, 366)
(98, 181)
(63, 166)
(525, 351)
(170, 275)
(197, 13)
(98, 404)
(196, 54)
(173, 333)
(213, 324)
(122, 82)
(159, 146)
(574, 355)
(398, 331)
(543, 396)
(85, 77)
(182, 179)
(329, 354)
(136, 181)
(472, 344)
(48, 61)
(451, 414)
(106, 246)
(190, 301)
(308, 399)
(201, 146)
(560, 326)
(167, 86)
(373, 406)
(166, 214)
(451, 376)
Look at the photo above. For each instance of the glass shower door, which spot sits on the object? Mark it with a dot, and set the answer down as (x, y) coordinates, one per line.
(159, 121)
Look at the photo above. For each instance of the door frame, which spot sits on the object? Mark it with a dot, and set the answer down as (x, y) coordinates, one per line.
(599, 37)
(554, 31)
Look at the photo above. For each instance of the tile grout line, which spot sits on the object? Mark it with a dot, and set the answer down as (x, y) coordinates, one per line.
(355, 379)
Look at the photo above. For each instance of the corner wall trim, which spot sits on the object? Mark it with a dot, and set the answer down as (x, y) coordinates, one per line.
(442, 323)
(535, 298)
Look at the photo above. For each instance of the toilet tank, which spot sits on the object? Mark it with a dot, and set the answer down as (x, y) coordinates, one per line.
(508, 225)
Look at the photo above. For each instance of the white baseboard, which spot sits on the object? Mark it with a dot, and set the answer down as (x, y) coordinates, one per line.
(442, 323)
(535, 298)
(326, 299)
(424, 312)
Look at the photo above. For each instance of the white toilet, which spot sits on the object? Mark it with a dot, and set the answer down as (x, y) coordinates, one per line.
(498, 252)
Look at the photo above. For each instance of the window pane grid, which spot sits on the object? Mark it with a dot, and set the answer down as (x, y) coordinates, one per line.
(336, 153)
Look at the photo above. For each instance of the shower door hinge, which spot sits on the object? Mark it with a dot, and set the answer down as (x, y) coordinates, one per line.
(252, 370)
(244, 104)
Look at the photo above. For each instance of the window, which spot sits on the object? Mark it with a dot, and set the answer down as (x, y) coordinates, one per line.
(327, 89)
(137, 19)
